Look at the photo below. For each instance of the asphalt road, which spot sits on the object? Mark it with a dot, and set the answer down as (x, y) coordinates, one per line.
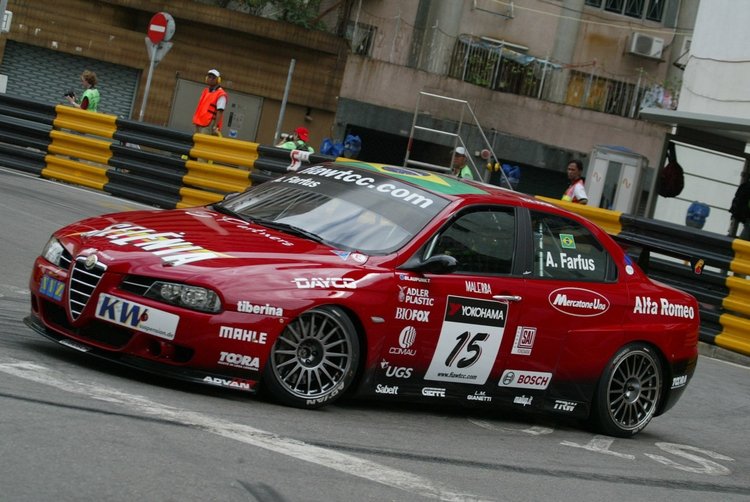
(74, 429)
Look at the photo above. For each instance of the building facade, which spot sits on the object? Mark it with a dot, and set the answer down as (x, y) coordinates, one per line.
(537, 82)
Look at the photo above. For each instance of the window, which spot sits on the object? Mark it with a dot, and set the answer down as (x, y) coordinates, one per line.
(362, 37)
(566, 250)
(482, 241)
(653, 10)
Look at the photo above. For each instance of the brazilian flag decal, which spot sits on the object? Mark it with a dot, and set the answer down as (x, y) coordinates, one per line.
(434, 182)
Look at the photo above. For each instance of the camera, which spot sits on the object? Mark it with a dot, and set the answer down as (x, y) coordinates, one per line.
(70, 94)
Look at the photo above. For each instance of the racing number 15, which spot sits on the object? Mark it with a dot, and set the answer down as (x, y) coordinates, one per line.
(470, 344)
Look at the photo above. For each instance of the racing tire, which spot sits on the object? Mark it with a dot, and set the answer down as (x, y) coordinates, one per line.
(629, 391)
(314, 360)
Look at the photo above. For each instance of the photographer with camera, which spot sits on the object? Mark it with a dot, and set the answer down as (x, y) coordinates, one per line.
(90, 98)
(297, 141)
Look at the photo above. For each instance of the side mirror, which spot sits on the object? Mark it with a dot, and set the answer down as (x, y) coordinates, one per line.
(438, 264)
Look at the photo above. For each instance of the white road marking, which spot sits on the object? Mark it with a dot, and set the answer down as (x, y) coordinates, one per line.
(332, 459)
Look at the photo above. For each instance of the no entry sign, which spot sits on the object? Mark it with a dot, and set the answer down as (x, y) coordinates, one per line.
(160, 28)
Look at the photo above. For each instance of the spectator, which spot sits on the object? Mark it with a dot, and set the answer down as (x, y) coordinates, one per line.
(575, 191)
(90, 98)
(298, 141)
(459, 167)
(740, 209)
(209, 114)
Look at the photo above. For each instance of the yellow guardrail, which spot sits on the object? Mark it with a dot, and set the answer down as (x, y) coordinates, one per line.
(736, 334)
(78, 146)
(192, 197)
(85, 121)
(215, 177)
(605, 218)
(224, 150)
(73, 171)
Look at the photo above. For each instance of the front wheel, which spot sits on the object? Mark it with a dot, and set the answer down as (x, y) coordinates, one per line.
(628, 392)
(314, 360)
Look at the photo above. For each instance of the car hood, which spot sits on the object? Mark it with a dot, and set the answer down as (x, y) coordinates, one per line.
(193, 240)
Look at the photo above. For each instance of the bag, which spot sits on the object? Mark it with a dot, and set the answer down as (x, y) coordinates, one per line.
(672, 177)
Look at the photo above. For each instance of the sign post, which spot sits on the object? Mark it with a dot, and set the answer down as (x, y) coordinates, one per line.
(160, 32)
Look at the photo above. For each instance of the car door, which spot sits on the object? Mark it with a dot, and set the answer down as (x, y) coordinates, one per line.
(458, 321)
(573, 308)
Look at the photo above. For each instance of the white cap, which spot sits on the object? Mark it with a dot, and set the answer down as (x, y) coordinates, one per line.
(461, 151)
(214, 71)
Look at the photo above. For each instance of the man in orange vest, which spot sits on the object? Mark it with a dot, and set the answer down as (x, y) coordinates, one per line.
(209, 113)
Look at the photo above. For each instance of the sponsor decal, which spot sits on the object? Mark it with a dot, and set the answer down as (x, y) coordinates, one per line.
(239, 361)
(136, 316)
(567, 241)
(469, 340)
(478, 287)
(479, 395)
(523, 400)
(359, 258)
(171, 247)
(433, 392)
(566, 406)
(399, 191)
(406, 339)
(404, 314)
(232, 383)
(415, 296)
(386, 389)
(253, 308)
(412, 278)
(341, 254)
(524, 341)
(256, 230)
(629, 266)
(679, 381)
(645, 305)
(243, 335)
(569, 262)
(395, 371)
(325, 283)
(698, 266)
(578, 302)
(51, 287)
(525, 379)
(75, 345)
(296, 180)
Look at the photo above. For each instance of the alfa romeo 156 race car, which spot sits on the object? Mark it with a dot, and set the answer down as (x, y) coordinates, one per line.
(379, 281)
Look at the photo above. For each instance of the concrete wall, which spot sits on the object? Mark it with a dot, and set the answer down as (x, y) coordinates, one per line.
(558, 126)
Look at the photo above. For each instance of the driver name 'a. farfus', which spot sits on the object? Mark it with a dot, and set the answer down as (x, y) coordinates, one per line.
(391, 189)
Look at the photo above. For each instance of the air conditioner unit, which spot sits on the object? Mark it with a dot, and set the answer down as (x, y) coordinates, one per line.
(646, 46)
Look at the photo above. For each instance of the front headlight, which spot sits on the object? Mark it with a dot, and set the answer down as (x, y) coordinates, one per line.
(53, 251)
(184, 295)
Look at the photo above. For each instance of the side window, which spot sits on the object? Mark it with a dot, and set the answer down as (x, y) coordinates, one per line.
(566, 250)
(482, 241)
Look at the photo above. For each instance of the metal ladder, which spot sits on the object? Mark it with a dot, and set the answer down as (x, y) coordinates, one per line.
(480, 174)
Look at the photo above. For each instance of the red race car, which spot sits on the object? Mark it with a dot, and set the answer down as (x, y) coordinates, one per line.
(380, 281)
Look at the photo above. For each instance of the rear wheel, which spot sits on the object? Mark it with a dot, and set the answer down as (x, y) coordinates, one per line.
(314, 360)
(629, 391)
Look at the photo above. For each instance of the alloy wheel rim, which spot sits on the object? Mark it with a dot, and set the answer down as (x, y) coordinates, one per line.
(313, 355)
(634, 390)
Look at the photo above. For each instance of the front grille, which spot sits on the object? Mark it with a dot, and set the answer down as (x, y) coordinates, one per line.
(137, 284)
(65, 259)
(83, 282)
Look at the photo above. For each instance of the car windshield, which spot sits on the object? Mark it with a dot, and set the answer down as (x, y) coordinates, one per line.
(345, 208)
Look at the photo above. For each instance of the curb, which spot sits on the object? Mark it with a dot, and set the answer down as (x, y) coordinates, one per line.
(716, 352)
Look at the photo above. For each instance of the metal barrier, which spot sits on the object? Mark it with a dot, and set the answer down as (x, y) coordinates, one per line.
(167, 168)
